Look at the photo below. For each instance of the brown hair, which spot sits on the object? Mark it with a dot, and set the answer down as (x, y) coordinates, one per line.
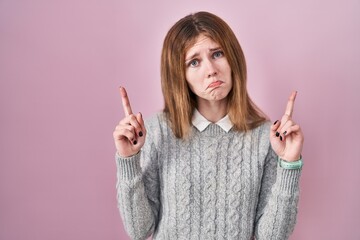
(179, 99)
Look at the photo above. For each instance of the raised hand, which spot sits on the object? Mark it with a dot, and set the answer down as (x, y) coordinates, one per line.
(286, 136)
(129, 134)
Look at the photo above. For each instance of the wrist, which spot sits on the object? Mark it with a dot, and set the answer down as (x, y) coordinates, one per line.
(298, 164)
(291, 158)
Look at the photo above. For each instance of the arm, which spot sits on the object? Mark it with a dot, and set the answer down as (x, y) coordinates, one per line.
(279, 194)
(278, 200)
(138, 192)
(137, 172)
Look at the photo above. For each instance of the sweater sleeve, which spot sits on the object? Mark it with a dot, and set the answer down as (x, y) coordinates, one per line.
(138, 192)
(278, 200)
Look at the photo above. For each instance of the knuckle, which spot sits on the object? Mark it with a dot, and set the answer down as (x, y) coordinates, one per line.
(285, 118)
(132, 117)
(131, 128)
(291, 122)
(124, 121)
(116, 134)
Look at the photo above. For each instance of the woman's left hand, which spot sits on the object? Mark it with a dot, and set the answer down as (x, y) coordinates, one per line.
(286, 137)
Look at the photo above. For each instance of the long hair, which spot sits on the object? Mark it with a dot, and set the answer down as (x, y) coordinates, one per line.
(180, 101)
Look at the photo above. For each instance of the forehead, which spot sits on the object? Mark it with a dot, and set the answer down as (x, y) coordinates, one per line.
(201, 43)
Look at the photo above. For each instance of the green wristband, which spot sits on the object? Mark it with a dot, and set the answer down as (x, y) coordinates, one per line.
(291, 165)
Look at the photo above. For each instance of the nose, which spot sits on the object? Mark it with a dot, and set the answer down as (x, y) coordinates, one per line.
(212, 74)
(211, 70)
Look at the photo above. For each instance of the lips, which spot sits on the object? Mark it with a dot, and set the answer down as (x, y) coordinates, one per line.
(215, 84)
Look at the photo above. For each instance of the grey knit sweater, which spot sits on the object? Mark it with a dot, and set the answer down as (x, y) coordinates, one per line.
(215, 185)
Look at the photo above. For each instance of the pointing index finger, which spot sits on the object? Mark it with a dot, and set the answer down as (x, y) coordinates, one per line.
(125, 101)
(290, 105)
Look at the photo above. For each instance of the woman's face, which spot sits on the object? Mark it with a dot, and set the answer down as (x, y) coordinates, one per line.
(208, 72)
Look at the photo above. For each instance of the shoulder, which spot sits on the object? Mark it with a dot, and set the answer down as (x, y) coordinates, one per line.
(262, 129)
(156, 121)
(261, 134)
(258, 140)
(157, 127)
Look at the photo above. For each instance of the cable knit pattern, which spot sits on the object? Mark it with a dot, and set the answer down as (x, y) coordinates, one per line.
(235, 188)
(213, 185)
(209, 158)
(184, 193)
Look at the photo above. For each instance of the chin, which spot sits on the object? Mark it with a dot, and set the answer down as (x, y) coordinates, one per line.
(218, 97)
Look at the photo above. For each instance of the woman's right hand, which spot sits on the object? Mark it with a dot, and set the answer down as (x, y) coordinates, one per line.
(130, 133)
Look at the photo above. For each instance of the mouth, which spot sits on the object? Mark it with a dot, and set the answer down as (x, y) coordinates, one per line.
(215, 84)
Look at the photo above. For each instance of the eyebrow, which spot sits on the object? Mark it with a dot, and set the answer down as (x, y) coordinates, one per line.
(197, 54)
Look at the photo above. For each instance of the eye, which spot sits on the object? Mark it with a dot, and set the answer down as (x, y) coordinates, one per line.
(218, 54)
(194, 63)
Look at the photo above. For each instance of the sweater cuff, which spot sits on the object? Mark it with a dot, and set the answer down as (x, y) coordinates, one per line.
(288, 180)
(129, 167)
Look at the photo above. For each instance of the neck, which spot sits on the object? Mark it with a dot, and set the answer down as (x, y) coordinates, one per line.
(213, 111)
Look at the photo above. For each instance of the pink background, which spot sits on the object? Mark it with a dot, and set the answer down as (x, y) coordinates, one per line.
(61, 63)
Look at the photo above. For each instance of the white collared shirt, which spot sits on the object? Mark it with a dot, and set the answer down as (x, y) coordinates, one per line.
(200, 122)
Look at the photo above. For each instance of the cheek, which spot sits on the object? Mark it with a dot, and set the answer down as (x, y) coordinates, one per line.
(194, 87)
(193, 80)
(190, 83)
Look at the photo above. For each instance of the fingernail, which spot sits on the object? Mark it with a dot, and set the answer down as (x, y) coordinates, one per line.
(284, 133)
(276, 122)
(135, 142)
(277, 134)
(280, 138)
(140, 134)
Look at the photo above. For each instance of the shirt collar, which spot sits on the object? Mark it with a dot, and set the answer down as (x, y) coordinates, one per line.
(200, 122)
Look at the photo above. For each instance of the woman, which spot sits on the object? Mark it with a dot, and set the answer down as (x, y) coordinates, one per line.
(210, 166)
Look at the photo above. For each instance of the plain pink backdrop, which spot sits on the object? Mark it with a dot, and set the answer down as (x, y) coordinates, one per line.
(61, 63)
